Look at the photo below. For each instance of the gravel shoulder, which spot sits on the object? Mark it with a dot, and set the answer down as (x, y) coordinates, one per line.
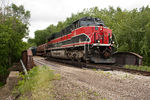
(84, 84)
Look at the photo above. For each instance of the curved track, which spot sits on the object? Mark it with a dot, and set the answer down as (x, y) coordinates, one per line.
(100, 66)
(112, 85)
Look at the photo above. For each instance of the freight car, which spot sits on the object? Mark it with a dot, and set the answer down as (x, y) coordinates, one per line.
(87, 39)
(33, 49)
(40, 50)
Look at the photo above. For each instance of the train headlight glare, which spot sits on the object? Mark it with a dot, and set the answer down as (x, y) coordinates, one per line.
(101, 27)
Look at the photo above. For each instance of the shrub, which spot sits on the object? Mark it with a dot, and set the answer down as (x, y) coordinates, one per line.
(142, 68)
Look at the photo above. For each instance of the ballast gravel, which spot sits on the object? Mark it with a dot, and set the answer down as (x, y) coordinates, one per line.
(88, 84)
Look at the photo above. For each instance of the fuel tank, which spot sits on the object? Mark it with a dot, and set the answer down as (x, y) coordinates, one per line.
(59, 54)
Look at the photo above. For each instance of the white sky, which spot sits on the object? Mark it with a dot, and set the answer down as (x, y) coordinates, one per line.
(46, 12)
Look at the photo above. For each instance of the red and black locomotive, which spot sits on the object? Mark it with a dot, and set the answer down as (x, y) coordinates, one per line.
(86, 39)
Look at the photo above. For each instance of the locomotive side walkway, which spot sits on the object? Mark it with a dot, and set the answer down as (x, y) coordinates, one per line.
(97, 85)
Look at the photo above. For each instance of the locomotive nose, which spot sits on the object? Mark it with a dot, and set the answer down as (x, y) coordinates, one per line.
(99, 34)
(98, 37)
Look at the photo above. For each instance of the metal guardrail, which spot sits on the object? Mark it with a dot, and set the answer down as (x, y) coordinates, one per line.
(27, 59)
(23, 66)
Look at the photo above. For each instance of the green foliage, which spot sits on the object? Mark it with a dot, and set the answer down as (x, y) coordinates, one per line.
(1, 84)
(31, 42)
(41, 36)
(13, 28)
(3, 70)
(36, 79)
(3, 74)
(14, 22)
(142, 68)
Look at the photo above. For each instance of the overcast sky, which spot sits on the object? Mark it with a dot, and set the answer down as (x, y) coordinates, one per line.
(46, 12)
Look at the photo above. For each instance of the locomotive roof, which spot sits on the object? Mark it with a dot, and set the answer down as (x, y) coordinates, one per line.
(88, 18)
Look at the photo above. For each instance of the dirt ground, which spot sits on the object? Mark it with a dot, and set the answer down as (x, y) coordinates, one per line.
(88, 84)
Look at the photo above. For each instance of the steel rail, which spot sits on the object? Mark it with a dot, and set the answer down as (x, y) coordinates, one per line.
(96, 66)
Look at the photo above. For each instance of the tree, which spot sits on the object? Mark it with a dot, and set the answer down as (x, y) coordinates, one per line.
(41, 36)
(12, 30)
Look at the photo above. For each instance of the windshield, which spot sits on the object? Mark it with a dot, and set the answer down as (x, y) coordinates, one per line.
(87, 23)
(91, 22)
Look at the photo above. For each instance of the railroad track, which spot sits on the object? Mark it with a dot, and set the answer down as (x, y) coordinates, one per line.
(42, 62)
(96, 66)
(39, 62)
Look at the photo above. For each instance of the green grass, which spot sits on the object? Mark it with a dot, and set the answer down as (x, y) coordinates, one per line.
(142, 68)
(108, 74)
(37, 82)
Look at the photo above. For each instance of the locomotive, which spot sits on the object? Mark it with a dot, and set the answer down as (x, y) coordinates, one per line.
(86, 39)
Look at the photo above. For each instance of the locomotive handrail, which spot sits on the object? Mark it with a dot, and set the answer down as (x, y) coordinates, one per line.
(88, 42)
(116, 40)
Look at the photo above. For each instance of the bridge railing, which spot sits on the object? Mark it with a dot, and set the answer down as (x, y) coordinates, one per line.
(27, 58)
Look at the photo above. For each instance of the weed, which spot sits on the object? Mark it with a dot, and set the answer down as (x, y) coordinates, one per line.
(82, 95)
(126, 76)
(104, 99)
(96, 94)
(104, 73)
(23, 98)
(108, 73)
(94, 69)
(142, 68)
(38, 82)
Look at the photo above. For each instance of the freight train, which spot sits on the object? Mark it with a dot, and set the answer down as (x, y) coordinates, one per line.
(87, 39)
